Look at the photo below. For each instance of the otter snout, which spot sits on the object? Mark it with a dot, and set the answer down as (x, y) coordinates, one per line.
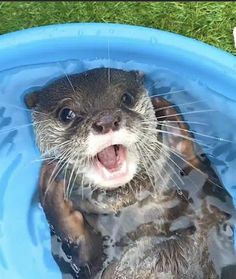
(107, 121)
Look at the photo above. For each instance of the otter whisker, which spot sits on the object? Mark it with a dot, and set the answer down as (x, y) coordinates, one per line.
(131, 188)
(182, 121)
(92, 187)
(167, 155)
(180, 192)
(74, 181)
(154, 162)
(21, 108)
(152, 142)
(21, 126)
(183, 104)
(175, 172)
(150, 163)
(174, 121)
(175, 183)
(188, 112)
(46, 155)
(109, 59)
(151, 139)
(146, 167)
(199, 134)
(181, 136)
(71, 185)
(167, 93)
(49, 183)
(188, 163)
(56, 149)
(67, 77)
(77, 160)
(86, 163)
(149, 122)
(57, 170)
(52, 159)
(178, 155)
(82, 186)
(61, 163)
(65, 176)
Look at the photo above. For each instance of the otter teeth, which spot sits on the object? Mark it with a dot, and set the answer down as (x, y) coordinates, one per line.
(116, 148)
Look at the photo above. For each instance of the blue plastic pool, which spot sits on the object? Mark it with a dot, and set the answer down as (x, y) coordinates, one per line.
(31, 58)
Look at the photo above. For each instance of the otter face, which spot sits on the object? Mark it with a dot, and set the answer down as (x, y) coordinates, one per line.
(100, 124)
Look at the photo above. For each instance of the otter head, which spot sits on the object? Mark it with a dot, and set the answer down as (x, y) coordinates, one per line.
(100, 124)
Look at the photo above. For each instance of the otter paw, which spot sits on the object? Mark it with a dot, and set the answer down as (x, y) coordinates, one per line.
(176, 133)
(67, 223)
(51, 184)
(52, 189)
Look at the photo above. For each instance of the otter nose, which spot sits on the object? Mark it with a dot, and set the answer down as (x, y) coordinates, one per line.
(107, 122)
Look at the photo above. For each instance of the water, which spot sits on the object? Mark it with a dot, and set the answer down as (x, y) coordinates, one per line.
(24, 235)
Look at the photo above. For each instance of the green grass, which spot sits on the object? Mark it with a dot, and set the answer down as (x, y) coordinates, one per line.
(211, 22)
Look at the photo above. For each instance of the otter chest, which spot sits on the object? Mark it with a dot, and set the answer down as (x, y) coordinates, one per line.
(145, 219)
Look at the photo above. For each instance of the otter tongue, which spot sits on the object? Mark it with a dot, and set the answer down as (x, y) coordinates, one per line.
(108, 157)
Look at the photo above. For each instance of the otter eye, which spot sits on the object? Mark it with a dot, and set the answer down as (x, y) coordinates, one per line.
(66, 115)
(127, 99)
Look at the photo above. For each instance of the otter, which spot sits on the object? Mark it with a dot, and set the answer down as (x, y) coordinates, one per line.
(123, 186)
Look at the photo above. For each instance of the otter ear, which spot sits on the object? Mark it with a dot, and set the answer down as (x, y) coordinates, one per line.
(139, 76)
(31, 100)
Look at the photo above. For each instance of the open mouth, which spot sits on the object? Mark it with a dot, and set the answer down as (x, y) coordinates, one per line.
(111, 162)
